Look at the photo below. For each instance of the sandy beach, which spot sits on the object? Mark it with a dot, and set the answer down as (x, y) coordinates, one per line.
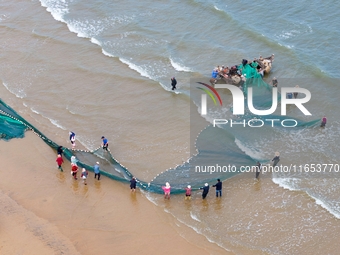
(45, 211)
(103, 68)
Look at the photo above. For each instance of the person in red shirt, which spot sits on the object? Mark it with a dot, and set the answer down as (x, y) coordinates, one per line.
(74, 171)
(59, 161)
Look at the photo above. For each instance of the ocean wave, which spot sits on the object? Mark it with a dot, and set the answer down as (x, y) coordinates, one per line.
(53, 121)
(179, 67)
(293, 184)
(142, 71)
(58, 9)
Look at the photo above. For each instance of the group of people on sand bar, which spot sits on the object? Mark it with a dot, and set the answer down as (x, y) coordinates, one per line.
(74, 161)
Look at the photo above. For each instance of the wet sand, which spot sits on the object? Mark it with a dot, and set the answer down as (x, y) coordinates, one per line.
(45, 211)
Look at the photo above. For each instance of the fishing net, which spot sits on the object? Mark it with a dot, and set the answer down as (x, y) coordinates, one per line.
(215, 147)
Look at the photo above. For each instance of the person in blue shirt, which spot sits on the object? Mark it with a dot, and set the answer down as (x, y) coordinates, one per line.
(218, 186)
(96, 171)
(105, 143)
(214, 74)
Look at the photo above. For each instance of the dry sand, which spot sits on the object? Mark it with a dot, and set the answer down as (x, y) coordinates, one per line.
(45, 211)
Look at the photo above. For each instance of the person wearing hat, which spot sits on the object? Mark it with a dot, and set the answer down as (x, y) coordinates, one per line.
(188, 192)
(96, 171)
(166, 190)
(205, 190)
(72, 139)
(84, 175)
(133, 183)
(59, 161)
(173, 83)
(73, 160)
(105, 143)
(218, 186)
(276, 159)
(74, 171)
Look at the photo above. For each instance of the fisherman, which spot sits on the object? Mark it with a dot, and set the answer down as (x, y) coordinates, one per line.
(74, 171)
(274, 82)
(59, 161)
(133, 183)
(96, 171)
(214, 73)
(166, 189)
(296, 93)
(73, 141)
(254, 64)
(188, 192)
(74, 160)
(205, 190)
(173, 83)
(84, 175)
(218, 186)
(276, 159)
(60, 150)
(105, 143)
(72, 136)
(258, 169)
(323, 122)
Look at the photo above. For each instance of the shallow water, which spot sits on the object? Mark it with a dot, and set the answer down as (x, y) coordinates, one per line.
(101, 68)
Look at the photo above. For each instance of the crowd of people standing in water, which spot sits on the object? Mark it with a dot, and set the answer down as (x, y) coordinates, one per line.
(74, 167)
(218, 186)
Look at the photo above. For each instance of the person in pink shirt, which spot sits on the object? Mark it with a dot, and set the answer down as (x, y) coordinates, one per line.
(323, 122)
(166, 190)
(188, 192)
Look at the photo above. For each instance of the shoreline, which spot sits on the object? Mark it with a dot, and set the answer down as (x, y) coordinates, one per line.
(55, 214)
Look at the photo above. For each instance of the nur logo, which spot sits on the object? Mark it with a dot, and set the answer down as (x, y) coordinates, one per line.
(239, 99)
(204, 97)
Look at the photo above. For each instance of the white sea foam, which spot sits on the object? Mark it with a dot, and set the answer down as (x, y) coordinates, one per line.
(194, 217)
(326, 206)
(292, 184)
(137, 68)
(58, 9)
(56, 123)
(17, 92)
(35, 111)
(179, 67)
(218, 9)
(95, 41)
(107, 53)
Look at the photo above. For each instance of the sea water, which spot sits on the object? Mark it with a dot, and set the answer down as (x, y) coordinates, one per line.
(104, 68)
